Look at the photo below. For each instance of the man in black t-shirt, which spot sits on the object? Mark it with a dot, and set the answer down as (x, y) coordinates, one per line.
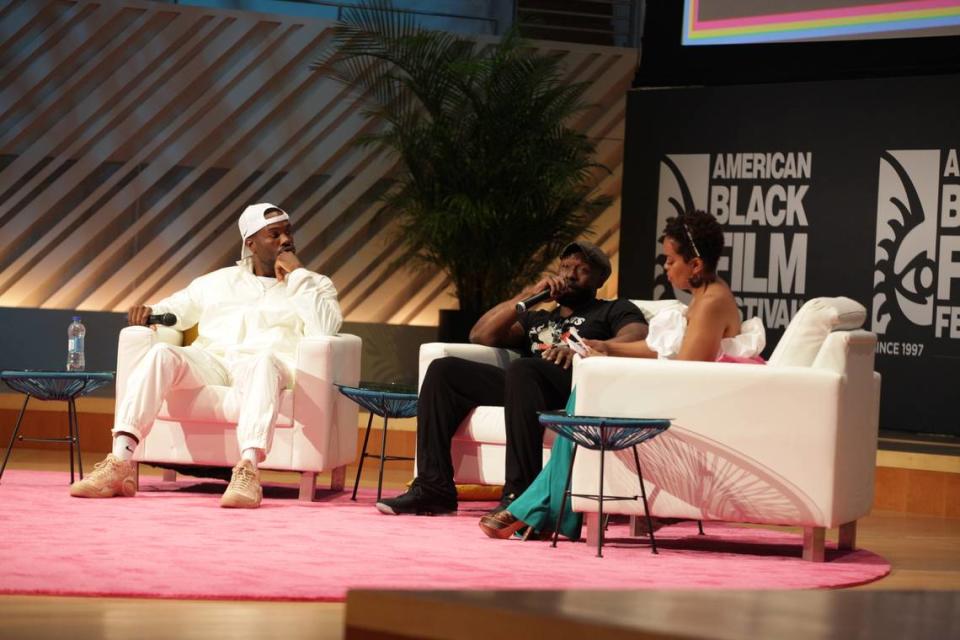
(452, 387)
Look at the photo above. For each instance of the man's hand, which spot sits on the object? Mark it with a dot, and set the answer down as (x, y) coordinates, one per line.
(596, 347)
(554, 283)
(286, 262)
(137, 315)
(560, 355)
(499, 327)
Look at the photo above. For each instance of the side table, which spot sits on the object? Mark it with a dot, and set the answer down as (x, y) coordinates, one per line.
(387, 401)
(54, 385)
(604, 434)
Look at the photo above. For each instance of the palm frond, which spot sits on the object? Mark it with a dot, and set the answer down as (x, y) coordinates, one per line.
(494, 182)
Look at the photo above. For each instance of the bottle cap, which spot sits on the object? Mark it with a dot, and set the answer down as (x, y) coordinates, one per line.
(76, 318)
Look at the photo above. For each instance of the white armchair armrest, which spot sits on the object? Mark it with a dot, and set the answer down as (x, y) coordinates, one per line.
(133, 344)
(639, 387)
(322, 362)
(335, 359)
(475, 352)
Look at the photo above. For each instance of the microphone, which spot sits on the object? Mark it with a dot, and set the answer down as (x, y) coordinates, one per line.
(166, 319)
(526, 303)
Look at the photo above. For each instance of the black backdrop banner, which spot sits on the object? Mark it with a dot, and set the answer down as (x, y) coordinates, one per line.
(840, 188)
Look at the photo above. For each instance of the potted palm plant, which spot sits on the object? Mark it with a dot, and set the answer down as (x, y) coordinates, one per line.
(493, 180)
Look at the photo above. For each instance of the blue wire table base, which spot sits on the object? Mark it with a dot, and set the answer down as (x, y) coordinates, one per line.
(603, 434)
(66, 386)
(387, 401)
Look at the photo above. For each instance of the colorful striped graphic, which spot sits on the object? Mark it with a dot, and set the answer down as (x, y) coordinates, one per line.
(882, 17)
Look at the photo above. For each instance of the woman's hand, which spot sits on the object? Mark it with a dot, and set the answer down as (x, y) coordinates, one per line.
(596, 347)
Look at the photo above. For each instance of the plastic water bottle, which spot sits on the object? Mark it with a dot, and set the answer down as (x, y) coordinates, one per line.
(75, 335)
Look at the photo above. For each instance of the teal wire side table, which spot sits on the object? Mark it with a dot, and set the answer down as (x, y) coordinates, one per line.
(387, 401)
(604, 434)
(54, 385)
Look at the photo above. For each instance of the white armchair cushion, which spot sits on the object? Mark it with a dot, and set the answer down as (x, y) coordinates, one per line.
(811, 325)
(474, 352)
(483, 424)
(486, 424)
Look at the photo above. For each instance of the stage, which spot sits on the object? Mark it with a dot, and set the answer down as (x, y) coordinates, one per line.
(924, 551)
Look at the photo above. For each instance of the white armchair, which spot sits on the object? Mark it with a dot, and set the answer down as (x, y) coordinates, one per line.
(316, 428)
(790, 443)
(479, 445)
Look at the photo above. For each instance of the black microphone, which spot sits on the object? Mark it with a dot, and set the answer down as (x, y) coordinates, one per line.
(523, 305)
(166, 319)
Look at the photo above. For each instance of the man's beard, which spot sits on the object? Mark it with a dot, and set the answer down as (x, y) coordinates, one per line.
(573, 298)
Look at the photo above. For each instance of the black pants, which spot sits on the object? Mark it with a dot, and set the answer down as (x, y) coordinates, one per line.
(454, 386)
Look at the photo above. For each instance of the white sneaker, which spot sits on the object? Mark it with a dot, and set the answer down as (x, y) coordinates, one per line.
(110, 477)
(244, 491)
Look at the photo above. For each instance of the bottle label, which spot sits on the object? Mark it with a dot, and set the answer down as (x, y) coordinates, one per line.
(75, 344)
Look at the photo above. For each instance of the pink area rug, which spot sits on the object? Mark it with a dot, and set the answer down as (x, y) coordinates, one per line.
(173, 541)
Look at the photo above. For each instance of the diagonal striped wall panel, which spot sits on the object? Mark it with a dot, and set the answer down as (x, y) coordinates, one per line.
(132, 134)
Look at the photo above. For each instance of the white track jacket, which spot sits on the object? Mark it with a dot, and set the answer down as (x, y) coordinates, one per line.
(239, 315)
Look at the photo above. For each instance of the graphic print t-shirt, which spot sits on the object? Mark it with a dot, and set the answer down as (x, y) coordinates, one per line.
(596, 320)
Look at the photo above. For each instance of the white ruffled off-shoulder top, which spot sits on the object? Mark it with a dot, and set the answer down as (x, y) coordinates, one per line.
(668, 327)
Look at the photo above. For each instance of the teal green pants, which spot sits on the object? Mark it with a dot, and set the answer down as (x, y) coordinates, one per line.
(539, 505)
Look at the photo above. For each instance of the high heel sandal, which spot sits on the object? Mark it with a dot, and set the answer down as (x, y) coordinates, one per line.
(531, 534)
(502, 524)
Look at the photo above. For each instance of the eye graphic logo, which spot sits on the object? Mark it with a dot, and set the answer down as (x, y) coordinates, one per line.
(684, 186)
(906, 242)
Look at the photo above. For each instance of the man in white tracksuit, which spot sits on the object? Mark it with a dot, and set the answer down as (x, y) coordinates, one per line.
(250, 319)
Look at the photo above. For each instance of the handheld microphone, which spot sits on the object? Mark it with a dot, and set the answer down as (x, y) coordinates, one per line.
(526, 303)
(166, 319)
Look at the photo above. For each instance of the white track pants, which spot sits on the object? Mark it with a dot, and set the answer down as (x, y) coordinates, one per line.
(255, 385)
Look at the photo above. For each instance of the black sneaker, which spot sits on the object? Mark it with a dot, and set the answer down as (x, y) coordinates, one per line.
(416, 501)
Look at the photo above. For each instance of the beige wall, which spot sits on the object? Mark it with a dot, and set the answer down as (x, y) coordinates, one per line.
(133, 133)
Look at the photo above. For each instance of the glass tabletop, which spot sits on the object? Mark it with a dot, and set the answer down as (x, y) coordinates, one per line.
(55, 385)
(385, 399)
(383, 387)
(598, 432)
(54, 374)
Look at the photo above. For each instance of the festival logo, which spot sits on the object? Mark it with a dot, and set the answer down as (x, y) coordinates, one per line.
(917, 257)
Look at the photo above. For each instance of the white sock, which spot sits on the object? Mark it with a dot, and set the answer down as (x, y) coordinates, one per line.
(252, 455)
(124, 446)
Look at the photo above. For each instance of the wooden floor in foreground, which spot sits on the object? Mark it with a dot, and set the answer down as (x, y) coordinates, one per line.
(923, 550)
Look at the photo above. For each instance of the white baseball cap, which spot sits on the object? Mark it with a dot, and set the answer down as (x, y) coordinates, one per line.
(253, 219)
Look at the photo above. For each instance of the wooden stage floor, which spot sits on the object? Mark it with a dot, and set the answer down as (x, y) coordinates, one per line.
(924, 583)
